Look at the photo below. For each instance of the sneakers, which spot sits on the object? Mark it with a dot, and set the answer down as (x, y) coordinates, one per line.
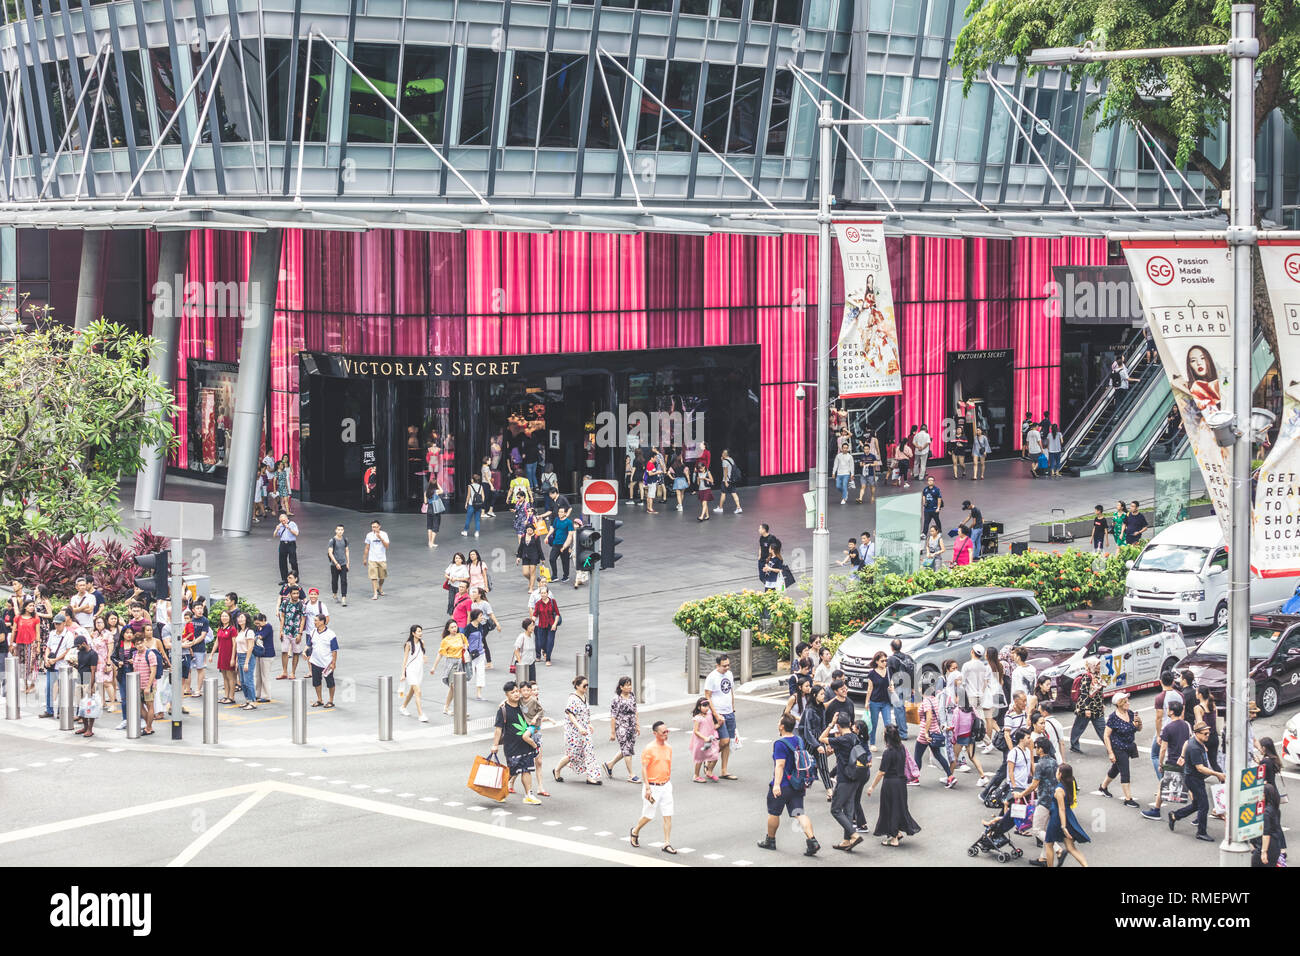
(532, 801)
(767, 843)
(1152, 814)
(739, 510)
(345, 602)
(950, 783)
(984, 780)
(464, 534)
(1172, 821)
(717, 511)
(963, 768)
(476, 534)
(424, 718)
(404, 712)
(986, 749)
(1205, 836)
(121, 726)
(679, 507)
(812, 847)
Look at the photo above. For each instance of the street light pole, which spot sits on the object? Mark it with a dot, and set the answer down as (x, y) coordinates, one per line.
(822, 535)
(1243, 48)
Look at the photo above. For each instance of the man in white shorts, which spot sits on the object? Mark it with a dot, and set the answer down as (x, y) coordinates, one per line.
(657, 789)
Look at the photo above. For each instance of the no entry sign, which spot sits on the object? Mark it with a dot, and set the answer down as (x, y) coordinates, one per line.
(599, 497)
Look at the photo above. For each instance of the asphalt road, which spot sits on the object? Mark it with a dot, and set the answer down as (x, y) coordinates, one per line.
(109, 801)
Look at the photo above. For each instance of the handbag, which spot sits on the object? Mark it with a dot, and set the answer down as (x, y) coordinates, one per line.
(913, 713)
(487, 777)
(424, 508)
(1019, 811)
(437, 505)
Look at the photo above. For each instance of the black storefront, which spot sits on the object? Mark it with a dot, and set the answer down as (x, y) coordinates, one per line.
(372, 425)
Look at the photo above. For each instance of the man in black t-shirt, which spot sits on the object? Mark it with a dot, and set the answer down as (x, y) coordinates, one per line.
(1196, 764)
(766, 540)
(514, 735)
(840, 703)
(1134, 524)
(974, 523)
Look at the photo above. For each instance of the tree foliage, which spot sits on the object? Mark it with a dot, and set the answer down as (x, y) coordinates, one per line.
(75, 409)
(1181, 101)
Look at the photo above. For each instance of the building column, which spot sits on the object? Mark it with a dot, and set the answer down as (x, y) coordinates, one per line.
(89, 289)
(250, 387)
(167, 303)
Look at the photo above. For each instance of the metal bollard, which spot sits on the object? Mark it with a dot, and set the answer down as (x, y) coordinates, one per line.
(580, 665)
(298, 694)
(210, 694)
(796, 638)
(460, 703)
(13, 688)
(638, 672)
(692, 665)
(67, 702)
(386, 707)
(746, 656)
(131, 706)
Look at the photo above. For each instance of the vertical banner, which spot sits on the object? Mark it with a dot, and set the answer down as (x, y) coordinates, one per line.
(867, 353)
(1173, 492)
(1186, 292)
(1275, 523)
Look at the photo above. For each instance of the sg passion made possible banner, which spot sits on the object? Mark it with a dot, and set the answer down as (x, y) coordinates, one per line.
(1275, 529)
(1186, 293)
(868, 354)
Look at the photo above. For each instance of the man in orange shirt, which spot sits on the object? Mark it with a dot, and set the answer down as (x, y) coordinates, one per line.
(657, 789)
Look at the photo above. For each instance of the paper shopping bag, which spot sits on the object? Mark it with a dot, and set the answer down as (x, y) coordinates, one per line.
(488, 778)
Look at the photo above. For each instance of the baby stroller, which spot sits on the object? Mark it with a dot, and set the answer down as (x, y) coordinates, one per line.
(1017, 816)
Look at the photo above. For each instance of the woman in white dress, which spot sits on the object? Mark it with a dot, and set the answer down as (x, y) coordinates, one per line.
(413, 671)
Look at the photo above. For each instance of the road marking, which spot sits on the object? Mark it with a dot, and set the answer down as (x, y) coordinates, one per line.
(294, 773)
(500, 813)
(604, 833)
(252, 765)
(1293, 776)
(90, 755)
(361, 786)
(450, 803)
(428, 799)
(7, 769)
(116, 750)
(234, 760)
(527, 819)
(476, 809)
(713, 856)
(685, 849)
(552, 823)
(577, 829)
(274, 769)
(37, 764)
(383, 790)
(220, 827)
(545, 841)
(335, 783)
(406, 794)
(315, 777)
(741, 863)
(62, 760)
(125, 813)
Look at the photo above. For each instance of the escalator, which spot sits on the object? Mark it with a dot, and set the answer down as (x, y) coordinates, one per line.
(1090, 436)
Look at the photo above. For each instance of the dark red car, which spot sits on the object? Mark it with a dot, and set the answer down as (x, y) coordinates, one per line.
(1274, 661)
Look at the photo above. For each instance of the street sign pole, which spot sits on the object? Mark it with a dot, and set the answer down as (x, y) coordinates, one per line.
(593, 634)
(175, 607)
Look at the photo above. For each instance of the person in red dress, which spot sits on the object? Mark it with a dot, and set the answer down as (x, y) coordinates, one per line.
(226, 657)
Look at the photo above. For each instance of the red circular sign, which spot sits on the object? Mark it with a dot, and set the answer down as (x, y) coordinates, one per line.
(1160, 270)
(1291, 266)
(852, 234)
(599, 497)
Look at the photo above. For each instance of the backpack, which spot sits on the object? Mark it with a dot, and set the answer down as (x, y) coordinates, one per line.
(477, 498)
(799, 768)
(859, 763)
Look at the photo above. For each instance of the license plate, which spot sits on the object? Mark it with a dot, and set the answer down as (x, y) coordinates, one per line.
(855, 683)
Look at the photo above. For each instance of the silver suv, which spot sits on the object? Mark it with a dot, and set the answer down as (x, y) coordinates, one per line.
(939, 625)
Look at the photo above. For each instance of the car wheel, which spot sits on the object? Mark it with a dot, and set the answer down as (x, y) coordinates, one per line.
(929, 680)
(1268, 698)
(1221, 614)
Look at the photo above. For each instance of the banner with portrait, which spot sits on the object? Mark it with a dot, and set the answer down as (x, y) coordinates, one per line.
(1275, 524)
(867, 354)
(1186, 292)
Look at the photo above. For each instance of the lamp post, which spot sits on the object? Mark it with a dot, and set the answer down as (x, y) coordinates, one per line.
(1243, 48)
(825, 176)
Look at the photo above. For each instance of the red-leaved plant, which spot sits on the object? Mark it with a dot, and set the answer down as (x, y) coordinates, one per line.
(55, 565)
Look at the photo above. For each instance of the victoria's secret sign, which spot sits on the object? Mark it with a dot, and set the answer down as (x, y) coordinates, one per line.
(345, 367)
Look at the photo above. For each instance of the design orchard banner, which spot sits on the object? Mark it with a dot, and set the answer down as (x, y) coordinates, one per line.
(1275, 527)
(868, 355)
(1186, 293)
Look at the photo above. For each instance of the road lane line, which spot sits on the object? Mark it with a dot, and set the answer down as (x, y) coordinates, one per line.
(220, 827)
(125, 813)
(544, 841)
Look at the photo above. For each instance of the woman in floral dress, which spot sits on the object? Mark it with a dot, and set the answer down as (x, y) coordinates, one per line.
(625, 728)
(101, 640)
(579, 746)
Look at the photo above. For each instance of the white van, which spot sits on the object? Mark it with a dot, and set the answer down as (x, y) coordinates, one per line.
(1182, 576)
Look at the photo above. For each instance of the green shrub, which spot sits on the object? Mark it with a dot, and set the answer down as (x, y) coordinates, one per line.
(1060, 580)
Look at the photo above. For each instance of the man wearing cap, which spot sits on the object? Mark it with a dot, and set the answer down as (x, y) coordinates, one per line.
(322, 657)
(58, 648)
(291, 632)
(313, 609)
(1196, 764)
(87, 662)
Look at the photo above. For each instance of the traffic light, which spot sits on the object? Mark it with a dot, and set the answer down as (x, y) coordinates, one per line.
(588, 538)
(608, 528)
(156, 583)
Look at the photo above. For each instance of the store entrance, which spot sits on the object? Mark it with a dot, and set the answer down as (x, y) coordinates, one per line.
(980, 396)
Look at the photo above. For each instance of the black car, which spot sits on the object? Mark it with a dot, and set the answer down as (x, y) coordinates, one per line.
(1274, 661)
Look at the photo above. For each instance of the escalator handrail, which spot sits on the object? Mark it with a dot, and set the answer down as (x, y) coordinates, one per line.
(1125, 413)
(1098, 401)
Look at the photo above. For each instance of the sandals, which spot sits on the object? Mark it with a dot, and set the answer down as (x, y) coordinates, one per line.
(632, 779)
(668, 848)
(608, 772)
(556, 775)
(318, 704)
(633, 836)
(329, 704)
(729, 776)
(249, 706)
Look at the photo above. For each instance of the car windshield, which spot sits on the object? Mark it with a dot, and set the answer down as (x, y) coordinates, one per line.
(1056, 637)
(904, 620)
(1171, 557)
(1262, 642)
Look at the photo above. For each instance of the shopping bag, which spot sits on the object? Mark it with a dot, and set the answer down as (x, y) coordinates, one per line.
(91, 707)
(911, 770)
(1019, 811)
(487, 777)
(164, 694)
(1219, 792)
(913, 713)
